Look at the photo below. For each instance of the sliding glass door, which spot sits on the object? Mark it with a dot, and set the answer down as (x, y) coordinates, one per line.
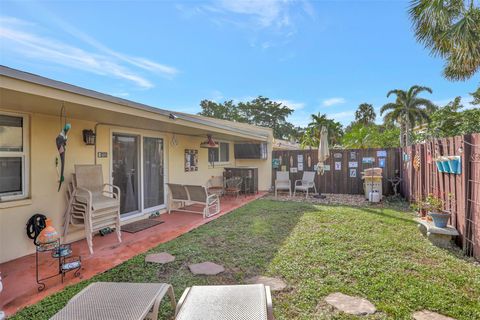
(153, 172)
(125, 171)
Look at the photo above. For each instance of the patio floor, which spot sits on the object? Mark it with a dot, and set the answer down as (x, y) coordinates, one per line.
(20, 287)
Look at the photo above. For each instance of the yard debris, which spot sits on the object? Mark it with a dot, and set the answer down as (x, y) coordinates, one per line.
(351, 305)
(162, 258)
(206, 268)
(275, 284)
(429, 315)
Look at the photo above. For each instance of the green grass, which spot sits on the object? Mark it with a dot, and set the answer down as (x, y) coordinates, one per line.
(376, 253)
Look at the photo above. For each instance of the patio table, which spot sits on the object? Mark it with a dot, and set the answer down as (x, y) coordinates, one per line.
(232, 302)
(114, 300)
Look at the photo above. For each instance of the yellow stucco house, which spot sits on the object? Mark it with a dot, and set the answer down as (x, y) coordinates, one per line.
(125, 132)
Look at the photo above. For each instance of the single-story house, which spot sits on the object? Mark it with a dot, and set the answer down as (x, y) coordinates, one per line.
(130, 139)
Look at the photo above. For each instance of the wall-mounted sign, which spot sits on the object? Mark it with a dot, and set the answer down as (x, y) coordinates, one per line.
(353, 164)
(368, 160)
(293, 170)
(338, 166)
(381, 153)
(326, 167)
(315, 167)
(353, 173)
(191, 160)
(102, 154)
(337, 155)
(353, 155)
(381, 162)
(275, 163)
(284, 168)
(300, 162)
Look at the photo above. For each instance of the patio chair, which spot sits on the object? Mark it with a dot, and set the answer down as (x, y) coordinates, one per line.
(216, 185)
(306, 183)
(252, 301)
(234, 186)
(94, 202)
(283, 182)
(191, 194)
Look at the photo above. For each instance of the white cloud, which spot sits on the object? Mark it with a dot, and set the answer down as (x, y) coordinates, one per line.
(291, 104)
(333, 101)
(103, 62)
(466, 102)
(265, 12)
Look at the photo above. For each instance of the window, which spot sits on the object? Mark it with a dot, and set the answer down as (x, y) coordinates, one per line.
(220, 154)
(13, 156)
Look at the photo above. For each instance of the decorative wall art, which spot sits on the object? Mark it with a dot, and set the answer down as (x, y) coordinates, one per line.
(353, 164)
(275, 163)
(381, 162)
(309, 161)
(293, 170)
(337, 155)
(338, 165)
(291, 161)
(368, 160)
(353, 155)
(326, 167)
(382, 153)
(191, 160)
(300, 162)
(353, 173)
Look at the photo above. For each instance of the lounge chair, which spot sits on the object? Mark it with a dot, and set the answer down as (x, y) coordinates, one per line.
(188, 195)
(234, 186)
(283, 182)
(91, 203)
(307, 183)
(117, 301)
(216, 185)
(225, 302)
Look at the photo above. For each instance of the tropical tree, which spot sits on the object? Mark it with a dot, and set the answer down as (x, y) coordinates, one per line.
(476, 96)
(450, 29)
(408, 110)
(361, 136)
(226, 110)
(365, 114)
(311, 137)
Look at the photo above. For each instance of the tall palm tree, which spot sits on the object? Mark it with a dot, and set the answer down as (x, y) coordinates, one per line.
(407, 110)
(365, 114)
(451, 29)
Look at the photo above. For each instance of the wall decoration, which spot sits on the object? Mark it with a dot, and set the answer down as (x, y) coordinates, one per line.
(368, 160)
(284, 168)
(300, 162)
(315, 167)
(382, 153)
(353, 173)
(337, 155)
(309, 161)
(280, 159)
(293, 170)
(291, 161)
(338, 166)
(416, 162)
(191, 160)
(275, 163)
(326, 167)
(353, 155)
(381, 162)
(353, 164)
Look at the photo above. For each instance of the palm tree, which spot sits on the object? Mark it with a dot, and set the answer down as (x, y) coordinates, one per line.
(407, 110)
(365, 114)
(451, 29)
(311, 136)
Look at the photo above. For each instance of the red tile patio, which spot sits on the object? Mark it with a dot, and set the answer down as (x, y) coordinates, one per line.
(20, 287)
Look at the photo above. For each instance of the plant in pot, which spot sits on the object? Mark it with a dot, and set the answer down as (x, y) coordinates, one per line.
(419, 208)
(434, 205)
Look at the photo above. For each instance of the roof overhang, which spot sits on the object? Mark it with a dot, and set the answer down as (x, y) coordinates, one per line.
(32, 93)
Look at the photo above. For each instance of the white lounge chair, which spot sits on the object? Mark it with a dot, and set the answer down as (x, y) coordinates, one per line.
(307, 183)
(92, 203)
(187, 195)
(283, 182)
(216, 185)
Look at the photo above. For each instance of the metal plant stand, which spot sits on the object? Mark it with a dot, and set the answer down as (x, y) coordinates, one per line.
(66, 262)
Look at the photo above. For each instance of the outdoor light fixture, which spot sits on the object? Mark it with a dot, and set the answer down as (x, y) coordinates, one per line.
(89, 137)
(209, 143)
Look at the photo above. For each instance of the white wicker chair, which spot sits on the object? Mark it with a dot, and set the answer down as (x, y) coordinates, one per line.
(283, 182)
(307, 183)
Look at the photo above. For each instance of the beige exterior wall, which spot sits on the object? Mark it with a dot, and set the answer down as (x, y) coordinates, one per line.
(43, 180)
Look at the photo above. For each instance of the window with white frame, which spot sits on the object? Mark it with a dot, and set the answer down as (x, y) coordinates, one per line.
(220, 154)
(13, 156)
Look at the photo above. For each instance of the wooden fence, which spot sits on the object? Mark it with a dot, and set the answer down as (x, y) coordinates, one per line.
(460, 192)
(344, 167)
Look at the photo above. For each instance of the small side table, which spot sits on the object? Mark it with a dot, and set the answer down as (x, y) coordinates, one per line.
(66, 262)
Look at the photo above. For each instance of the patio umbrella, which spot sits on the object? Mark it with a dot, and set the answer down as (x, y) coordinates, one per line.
(323, 151)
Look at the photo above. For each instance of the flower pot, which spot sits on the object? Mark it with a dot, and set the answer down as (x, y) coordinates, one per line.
(439, 164)
(48, 234)
(455, 164)
(440, 220)
(446, 165)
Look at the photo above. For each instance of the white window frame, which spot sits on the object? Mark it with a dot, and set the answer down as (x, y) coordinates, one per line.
(25, 155)
(221, 162)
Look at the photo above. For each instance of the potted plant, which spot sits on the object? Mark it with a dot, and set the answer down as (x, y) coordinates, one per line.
(419, 208)
(434, 205)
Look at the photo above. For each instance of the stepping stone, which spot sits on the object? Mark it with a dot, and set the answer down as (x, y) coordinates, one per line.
(162, 258)
(429, 315)
(206, 268)
(351, 305)
(274, 283)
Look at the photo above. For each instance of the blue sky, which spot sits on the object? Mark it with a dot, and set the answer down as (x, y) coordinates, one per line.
(322, 56)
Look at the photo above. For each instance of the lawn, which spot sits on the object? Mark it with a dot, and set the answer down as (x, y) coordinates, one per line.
(375, 253)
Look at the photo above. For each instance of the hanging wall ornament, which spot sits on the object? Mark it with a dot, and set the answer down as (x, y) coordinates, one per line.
(280, 159)
(309, 161)
(61, 142)
(416, 162)
(291, 161)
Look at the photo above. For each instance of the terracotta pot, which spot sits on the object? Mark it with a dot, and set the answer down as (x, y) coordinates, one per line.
(48, 234)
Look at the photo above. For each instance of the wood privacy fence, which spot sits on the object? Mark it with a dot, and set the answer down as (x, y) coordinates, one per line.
(344, 167)
(460, 192)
